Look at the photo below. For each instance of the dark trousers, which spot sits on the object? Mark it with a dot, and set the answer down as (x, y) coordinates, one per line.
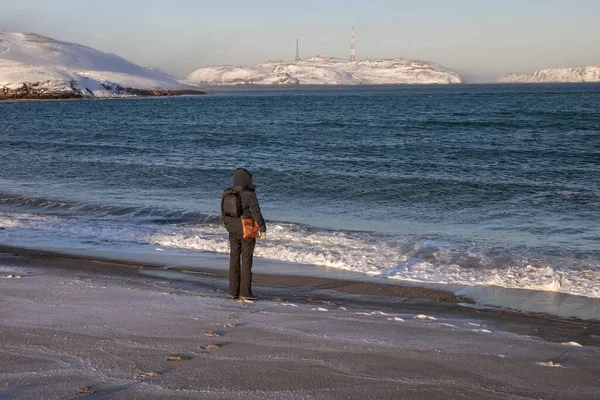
(240, 279)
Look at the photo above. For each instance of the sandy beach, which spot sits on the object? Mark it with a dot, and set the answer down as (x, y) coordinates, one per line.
(75, 327)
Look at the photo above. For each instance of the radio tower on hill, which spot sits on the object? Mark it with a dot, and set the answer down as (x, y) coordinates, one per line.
(352, 48)
(297, 51)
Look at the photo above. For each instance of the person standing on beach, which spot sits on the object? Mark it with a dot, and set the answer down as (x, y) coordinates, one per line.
(243, 220)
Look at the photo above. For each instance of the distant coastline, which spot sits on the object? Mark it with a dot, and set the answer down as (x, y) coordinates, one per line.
(584, 74)
(35, 67)
(224, 89)
(327, 71)
(28, 94)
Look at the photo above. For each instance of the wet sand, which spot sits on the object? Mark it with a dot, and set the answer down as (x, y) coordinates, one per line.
(75, 326)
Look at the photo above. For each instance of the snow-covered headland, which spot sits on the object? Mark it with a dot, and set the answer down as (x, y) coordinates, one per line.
(34, 66)
(328, 71)
(556, 75)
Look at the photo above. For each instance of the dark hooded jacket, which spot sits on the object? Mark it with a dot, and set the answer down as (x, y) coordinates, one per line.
(242, 184)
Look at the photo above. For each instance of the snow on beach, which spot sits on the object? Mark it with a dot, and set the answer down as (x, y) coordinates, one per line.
(328, 71)
(57, 67)
(69, 332)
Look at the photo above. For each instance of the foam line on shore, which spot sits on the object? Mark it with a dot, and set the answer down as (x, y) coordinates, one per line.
(403, 259)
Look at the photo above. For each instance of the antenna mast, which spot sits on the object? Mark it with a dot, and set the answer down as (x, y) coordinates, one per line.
(297, 50)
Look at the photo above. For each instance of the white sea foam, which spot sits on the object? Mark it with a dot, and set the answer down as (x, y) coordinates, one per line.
(357, 252)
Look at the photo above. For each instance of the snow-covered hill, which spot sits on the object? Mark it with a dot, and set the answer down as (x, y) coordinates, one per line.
(556, 75)
(328, 71)
(36, 66)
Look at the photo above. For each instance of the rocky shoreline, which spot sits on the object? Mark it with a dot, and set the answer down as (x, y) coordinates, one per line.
(36, 92)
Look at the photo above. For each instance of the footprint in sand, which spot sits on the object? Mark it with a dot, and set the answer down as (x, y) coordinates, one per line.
(210, 347)
(423, 316)
(212, 334)
(152, 373)
(319, 309)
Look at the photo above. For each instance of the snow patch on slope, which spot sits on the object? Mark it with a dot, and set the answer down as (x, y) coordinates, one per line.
(328, 71)
(60, 67)
(556, 75)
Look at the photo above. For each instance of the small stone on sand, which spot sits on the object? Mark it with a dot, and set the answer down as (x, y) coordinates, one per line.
(551, 364)
(177, 357)
(231, 325)
(574, 344)
(86, 390)
(423, 316)
(396, 319)
(153, 373)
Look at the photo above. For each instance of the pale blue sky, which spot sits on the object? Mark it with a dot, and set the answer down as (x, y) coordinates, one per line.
(482, 40)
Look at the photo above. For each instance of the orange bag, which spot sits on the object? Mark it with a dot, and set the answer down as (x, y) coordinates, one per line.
(249, 228)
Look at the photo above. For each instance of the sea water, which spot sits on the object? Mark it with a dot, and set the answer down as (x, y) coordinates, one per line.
(483, 185)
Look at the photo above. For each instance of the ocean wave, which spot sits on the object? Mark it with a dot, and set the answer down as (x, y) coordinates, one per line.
(156, 215)
(408, 258)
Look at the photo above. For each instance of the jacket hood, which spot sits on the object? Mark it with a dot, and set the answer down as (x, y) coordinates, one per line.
(242, 179)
